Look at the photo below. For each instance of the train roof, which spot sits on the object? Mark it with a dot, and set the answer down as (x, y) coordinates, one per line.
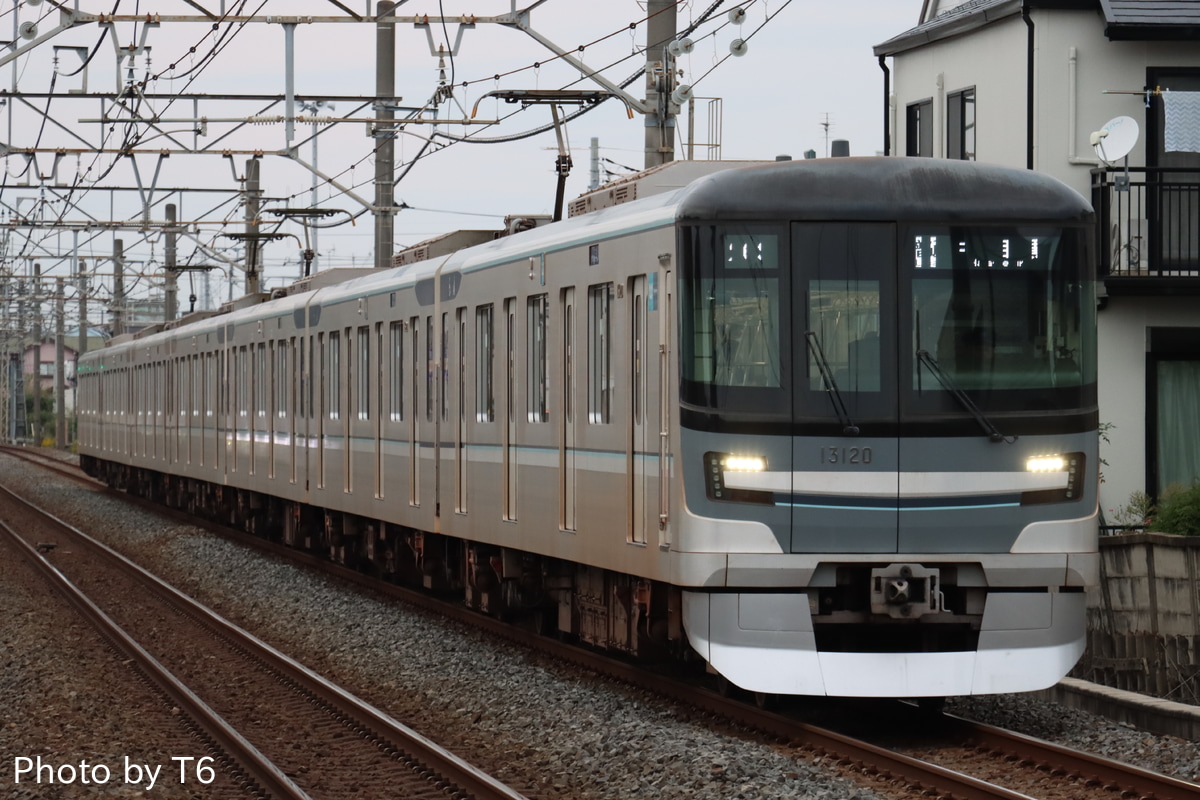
(882, 188)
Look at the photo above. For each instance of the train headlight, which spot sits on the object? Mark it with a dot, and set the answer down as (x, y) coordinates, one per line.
(1046, 464)
(1068, 486)
(715, 467)
(745, 464)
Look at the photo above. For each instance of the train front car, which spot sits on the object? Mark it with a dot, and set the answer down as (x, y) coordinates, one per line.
(888, 427)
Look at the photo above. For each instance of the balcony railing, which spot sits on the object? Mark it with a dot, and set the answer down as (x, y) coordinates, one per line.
(1148, 226)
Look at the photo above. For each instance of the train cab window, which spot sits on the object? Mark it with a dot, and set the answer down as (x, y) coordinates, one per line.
(600, 386)
(333, 375)
(537, 323)
(485, 351)
(1005, 314)
(735, 336)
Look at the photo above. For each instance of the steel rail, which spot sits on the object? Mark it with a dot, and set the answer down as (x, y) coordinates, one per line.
(871, 759)
(258, 767)
(1088, 767)
(464, 775)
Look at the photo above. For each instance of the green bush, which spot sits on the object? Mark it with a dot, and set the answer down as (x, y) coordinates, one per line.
(1134, 514)
(1179, 510)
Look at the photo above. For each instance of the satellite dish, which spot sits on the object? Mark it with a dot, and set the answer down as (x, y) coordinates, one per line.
(738, 47)
(1116, 139)
(27, 30)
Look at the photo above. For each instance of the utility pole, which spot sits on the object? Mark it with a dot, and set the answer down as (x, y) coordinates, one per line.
(385, 136)
(171, 270)
(60, 367)
(660, 81)
(594, 180)
(253, 195)
(118, 295)
(37, 354)
(83, 308)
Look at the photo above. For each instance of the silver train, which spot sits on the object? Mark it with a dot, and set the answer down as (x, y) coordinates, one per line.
(829, 426)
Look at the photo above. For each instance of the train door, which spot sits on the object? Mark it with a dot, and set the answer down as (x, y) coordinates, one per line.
(509, 458)
(291, 379)
(643, 450)
(845, 483)
(569, 421)
(460, 414)
(414, 416)
(381, 366)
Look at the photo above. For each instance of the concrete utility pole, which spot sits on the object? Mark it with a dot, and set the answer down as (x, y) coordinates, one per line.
(60, 366)
(36, 425)
(172, 273)
(253, 195)
(118, 295)
(83, 308)
(594, 178)
(385, 136)
(660, 124)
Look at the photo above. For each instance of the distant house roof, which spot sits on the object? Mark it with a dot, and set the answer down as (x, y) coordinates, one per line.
(1151, 19)
(961, 19)
(1137, 20)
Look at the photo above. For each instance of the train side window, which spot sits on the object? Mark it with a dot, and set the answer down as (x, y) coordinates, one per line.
(364, 372)
(260, 378)
(396, 400)
(600, 353)
(283, 380)
(537, 394)
(445, 366)
(429, 369)
(243, 379)
(485, 399)
(333, 378)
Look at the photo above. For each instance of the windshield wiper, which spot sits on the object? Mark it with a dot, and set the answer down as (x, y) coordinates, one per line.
(831, 387)
(994, 435)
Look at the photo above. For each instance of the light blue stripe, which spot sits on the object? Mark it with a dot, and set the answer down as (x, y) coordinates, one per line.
(896, 508)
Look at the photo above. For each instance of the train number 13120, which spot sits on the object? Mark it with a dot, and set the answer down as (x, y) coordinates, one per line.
(845, 455)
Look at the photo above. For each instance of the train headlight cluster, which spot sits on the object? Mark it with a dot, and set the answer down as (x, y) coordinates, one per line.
(1070, 489)
(715, 467)
(1046, 464)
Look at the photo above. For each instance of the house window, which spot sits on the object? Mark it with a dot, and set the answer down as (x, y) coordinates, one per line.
(1173, 383)
(918, 134)
(960, 125)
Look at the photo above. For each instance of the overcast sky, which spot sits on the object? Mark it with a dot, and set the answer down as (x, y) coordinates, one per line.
(807, 62)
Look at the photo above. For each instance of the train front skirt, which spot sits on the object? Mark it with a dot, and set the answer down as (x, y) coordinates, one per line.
(765, 643)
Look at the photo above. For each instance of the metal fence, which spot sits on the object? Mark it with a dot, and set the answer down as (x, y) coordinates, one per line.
(1148, 221)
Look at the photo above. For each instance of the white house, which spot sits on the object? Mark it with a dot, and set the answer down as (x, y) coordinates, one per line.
(1026, 83)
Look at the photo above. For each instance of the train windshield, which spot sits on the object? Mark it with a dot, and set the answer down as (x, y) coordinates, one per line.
(1004, 314)
(875, 324)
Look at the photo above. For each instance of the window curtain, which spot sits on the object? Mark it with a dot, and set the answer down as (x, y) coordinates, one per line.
(1178, 432)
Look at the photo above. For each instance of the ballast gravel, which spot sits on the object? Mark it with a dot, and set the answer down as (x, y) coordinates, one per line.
(538, 726)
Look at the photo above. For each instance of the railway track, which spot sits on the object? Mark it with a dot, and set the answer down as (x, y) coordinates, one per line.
(286, 732)
(952, 758)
